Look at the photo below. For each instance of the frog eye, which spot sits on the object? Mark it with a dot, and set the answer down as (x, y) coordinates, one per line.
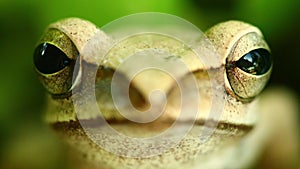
(248, 66)
(255, 62)
(245, 55)
(50, 59)
(54, 60)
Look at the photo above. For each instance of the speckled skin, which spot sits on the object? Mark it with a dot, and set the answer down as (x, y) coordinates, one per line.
(222, 150)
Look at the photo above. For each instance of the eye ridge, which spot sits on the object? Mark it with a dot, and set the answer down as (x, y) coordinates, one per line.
(255, 62)
(49, 59)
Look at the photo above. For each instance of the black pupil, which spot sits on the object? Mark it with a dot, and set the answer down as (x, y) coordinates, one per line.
(256, 62)
(50, 59)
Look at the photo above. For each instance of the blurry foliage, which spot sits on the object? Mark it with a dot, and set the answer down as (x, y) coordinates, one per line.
(26, 141)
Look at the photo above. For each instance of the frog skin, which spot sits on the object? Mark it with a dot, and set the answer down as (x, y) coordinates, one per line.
(238, 139)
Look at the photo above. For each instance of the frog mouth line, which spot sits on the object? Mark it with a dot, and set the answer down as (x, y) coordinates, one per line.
(94, 123)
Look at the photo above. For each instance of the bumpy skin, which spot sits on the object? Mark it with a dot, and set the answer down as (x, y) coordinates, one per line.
(236, 143)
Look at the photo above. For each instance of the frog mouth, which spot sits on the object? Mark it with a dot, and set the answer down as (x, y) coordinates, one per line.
(207, 123)
(157, 126)
(96, 134)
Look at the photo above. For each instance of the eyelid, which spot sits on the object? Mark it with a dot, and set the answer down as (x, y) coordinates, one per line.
(245, 44)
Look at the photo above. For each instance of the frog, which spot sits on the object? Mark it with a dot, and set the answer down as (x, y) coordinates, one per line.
(239, 136)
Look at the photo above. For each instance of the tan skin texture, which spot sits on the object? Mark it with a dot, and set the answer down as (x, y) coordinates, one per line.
(241, 137)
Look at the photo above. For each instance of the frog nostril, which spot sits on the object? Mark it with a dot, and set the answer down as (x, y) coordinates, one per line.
(256, 62)
(50, 59)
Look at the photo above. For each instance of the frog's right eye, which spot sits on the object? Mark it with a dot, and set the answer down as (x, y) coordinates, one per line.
(50, 59)
(54, 60)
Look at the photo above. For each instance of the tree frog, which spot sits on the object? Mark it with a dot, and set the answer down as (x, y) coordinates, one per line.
(239, 138)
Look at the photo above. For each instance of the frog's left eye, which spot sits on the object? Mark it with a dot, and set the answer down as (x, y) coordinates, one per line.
(246, 55)
(54, 60)
(248, 66)
(255, 62)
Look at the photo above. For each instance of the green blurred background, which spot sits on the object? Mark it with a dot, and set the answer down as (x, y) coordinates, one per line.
(27, 143)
